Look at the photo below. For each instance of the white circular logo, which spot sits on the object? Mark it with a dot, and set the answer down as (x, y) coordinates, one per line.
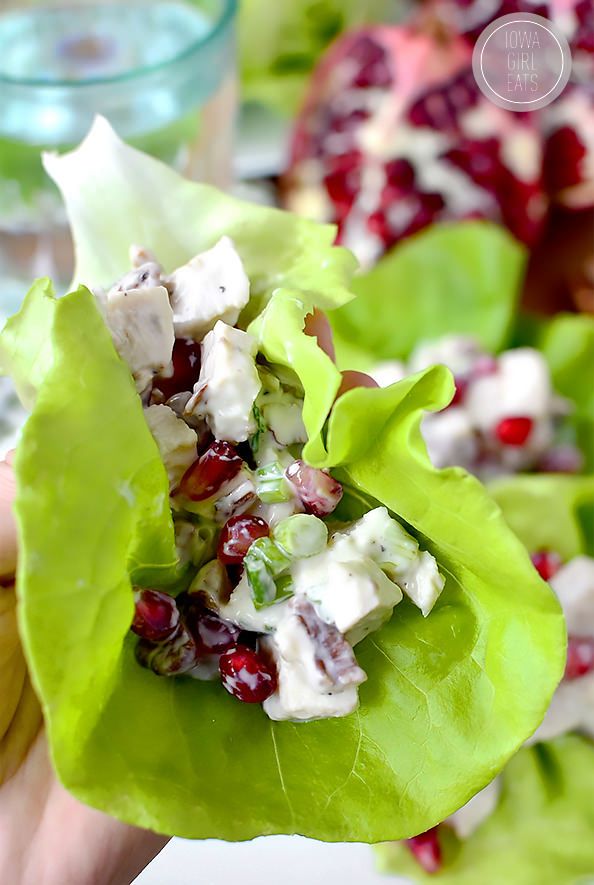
(521, 62)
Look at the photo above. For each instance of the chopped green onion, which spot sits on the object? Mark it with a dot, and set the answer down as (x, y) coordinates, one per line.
(284, 587)
(261, 429)
(271, 485)
(264, 562)
(301, 535)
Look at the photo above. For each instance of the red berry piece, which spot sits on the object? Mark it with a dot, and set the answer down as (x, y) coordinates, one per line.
(211, 634)
(514, 431)
(319, 492)
(186, 368)
(247, 675)
(580, 657)
(217, 466)
(426, 850)
(238, 535)
(546, 563)
(176, 656)
(156, 617)
(459, 391)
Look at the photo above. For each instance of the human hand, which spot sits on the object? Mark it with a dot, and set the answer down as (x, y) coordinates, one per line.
(46, 836)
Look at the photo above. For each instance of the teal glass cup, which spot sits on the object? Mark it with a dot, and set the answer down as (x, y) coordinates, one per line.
(161, 71)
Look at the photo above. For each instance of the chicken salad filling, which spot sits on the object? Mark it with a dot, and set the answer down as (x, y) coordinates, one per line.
(276, 590)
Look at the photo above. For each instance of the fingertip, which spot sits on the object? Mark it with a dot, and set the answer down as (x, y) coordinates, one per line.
(8, 533)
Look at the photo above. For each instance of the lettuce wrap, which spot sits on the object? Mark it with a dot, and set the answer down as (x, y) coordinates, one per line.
(449, 698)
(464, 279)
(539, 832)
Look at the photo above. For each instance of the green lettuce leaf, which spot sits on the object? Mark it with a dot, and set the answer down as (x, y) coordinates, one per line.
(146, 203)
(25, 348)
(459, 278)
(280, 43)
(449, 698)
(567, 343)
(549, 512)
(539, 834)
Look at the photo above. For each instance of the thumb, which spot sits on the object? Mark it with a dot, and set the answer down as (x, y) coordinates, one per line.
(8, 536)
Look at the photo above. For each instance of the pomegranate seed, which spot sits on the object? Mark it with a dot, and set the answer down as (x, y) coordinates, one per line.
(319, 492)
(546, 563)
(342, 189)
(171, 658)
(238, 535)
(426, 850)
(211, 634)
(186, 368)
(400, 174)
(156, 617)
(247, 675)
(580, 657)
(459, 392)
(374, 71)
(217, 466)
(514, 431)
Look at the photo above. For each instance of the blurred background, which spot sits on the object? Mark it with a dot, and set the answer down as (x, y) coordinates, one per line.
(365, 115)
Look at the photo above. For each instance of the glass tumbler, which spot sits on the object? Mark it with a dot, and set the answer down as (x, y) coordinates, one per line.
(161, 71)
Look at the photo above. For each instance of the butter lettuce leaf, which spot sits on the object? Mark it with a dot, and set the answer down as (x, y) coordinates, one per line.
(461, 278)
(539, 834)
(449, 698)
(567, 343)
(540, 831)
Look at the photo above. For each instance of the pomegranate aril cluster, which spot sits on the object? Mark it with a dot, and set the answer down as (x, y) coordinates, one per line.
(177, 638)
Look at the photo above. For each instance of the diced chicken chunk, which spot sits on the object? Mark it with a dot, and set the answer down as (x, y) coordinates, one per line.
(228, 384)
(212, 286)
(572, 707)
(139, 256)
(574, 586)
(176, 441)
(379, 537)
(520, 386)
(422, 582)
(141, 325)
(450, 438)
(355, 595)
(458, 352)
(306, 689)
(468, 819)
(143, 276)
(285, 420)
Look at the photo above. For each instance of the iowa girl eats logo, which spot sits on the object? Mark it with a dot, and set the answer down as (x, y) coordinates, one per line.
(522, 72)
